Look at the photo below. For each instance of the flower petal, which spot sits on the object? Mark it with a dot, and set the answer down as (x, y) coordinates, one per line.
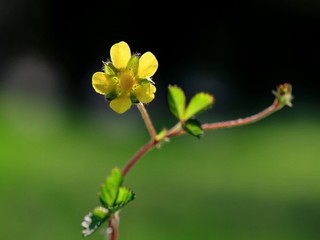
(145, 93)
(120, 54)
(121, 104)
(101, 83)
(148, 65)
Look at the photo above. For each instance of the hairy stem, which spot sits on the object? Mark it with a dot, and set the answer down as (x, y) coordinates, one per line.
(243, 121)
(234, 123)
(113, 225)
(177, 131)
(147, 120)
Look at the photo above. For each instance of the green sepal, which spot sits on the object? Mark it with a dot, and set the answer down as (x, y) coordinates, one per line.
(93, 220)
(193, 127)
(110, 189)
(284, 95)
(133, 65)
(198, 103)
(144, 81)
(177, 101)
(109, 69)
(112, 95)
(134, 99)
(115, 93)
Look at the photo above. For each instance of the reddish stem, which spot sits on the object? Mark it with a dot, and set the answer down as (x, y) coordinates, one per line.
(113, 225)
(234, 123)
(176, 131)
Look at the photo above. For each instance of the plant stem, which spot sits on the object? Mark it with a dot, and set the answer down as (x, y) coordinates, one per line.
(177, 131)
(234, 123)
(243, 121)
(113, 224)
(144, 149)
(147, 120)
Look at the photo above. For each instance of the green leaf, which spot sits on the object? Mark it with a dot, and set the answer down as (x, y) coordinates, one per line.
(93, 220)
(177, 101)
(161, 135)
(109, 190)
(193, 127)
(125, 196)
(198, 103)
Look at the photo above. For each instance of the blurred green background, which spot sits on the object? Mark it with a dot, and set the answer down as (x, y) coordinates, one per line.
(59, 140)
(255, 182)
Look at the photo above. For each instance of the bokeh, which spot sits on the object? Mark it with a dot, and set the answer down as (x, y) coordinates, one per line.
(59, 139)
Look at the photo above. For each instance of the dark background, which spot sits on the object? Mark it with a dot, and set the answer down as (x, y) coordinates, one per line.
(239, 51)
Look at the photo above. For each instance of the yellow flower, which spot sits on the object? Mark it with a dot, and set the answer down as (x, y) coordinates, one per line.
(126, 79)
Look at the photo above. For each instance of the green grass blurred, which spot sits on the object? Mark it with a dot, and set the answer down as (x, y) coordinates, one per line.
(258, 182)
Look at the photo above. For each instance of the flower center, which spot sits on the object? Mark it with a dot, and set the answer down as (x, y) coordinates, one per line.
(126, 82)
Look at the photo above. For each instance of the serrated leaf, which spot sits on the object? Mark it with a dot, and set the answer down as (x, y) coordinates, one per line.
(93, 220)
(110, 188)
(177, 101)
(193, 127)
(198, 103)
(125, 195)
